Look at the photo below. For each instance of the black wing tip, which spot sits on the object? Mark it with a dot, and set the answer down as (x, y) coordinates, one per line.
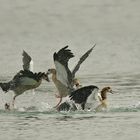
(65, 47)
(62, 49)
(88, 87)
(80, 95)
(67, 50)
(94, 46)
(24, 52)
(26, 55)
(64, 54)
(54, 56)
(93, 86)
(90, 50)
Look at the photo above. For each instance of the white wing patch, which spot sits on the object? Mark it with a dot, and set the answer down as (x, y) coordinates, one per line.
(93, 97)
(61, 73)
(31, 66)
(92, 100)
(28, 81)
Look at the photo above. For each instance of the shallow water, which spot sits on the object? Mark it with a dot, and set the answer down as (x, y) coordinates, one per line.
(34, 117)
(42, 27)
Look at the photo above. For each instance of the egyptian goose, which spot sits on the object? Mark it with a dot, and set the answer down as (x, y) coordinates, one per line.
(102, 96)
(62, 77)
(24, 80)
(79, 96)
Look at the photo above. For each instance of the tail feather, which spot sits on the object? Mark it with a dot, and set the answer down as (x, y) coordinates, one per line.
(5, 86)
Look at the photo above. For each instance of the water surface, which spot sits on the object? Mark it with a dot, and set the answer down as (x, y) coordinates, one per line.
(42, 27)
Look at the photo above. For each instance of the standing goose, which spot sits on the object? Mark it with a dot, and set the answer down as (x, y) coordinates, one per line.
(24, 80)
(62, 77)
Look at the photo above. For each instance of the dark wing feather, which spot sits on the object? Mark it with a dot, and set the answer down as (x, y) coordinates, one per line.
(80, 95)
(82, 59)
(26, 60)
(16, 81)
(66, 106)
(62, 57)
(29, 74)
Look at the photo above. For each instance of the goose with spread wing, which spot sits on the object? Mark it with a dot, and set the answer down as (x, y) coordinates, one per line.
(62, 77)
(86, 97)
(27, 61)
(24, 80)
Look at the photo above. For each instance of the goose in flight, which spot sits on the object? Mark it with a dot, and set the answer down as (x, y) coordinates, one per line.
(63, 78)
(24, 80)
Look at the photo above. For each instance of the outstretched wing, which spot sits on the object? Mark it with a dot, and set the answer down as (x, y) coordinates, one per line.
(61, 59)
(27, 61)
(81, 95)
(82, 59)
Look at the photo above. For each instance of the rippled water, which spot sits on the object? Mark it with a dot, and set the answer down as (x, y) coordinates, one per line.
(42, 27)
(35, 118)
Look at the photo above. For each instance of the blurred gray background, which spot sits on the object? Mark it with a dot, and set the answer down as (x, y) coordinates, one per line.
(42, 27)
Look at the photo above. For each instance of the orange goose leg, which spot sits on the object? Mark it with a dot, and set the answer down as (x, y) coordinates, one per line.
(57, 96)
(13, 102)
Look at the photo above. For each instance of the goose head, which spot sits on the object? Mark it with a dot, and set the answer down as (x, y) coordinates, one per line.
(104, 92)
(107, 89)
(51, 71)
(76, 82)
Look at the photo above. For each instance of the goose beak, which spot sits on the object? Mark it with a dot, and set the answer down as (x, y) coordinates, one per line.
(47, 78)
(111, 91)
(48, 72)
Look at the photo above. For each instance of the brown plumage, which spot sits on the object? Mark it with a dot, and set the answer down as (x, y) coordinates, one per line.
(103, 98)
(104, 92)
(24, 80)
(62, 76)
(62, 89)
